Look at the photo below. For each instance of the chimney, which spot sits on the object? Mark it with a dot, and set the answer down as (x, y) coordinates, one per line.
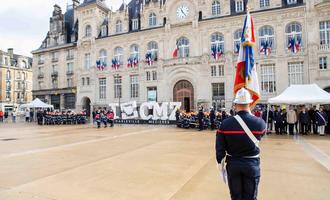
(11, 53)
(75, 3)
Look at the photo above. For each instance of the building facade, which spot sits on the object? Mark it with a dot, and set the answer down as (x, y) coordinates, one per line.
(186, 50)
(15, 80)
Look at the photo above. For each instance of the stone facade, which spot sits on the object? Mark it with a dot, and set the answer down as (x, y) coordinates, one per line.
(194, 77)
(15, 80)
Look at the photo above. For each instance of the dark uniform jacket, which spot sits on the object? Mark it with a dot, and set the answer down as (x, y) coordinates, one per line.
(232, 139)
(304, 118)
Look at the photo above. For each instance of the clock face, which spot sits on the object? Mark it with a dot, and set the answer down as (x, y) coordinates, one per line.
(182, 12)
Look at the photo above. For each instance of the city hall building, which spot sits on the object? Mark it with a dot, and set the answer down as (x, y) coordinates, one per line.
(177, 50)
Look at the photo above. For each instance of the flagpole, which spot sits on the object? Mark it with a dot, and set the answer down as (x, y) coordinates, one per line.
(246, 78)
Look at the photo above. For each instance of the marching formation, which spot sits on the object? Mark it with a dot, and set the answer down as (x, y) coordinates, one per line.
(47, 117)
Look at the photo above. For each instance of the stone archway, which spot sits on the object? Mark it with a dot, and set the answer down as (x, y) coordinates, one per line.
(183, 92)
(86, 104)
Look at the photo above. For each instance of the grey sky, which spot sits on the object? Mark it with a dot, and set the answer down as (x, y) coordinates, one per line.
(24, 24)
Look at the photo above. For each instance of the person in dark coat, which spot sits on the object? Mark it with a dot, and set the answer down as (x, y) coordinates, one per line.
(278, 121)
(200, 119)
(240, 154)
(304, 121)
(312, 126)
(98, 118)
(284, 127)
(212, 119)
(321, 120)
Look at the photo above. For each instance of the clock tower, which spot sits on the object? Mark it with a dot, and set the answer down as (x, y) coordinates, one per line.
(182, 11)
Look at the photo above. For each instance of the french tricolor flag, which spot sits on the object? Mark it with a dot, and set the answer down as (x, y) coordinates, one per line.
(246, 72)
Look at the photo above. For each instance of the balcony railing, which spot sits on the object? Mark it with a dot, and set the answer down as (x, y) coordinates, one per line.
(41, 75)
(40, 62)
(324, 47)
(70, 57)
(54, 74)
(69, 73)
(54, 59)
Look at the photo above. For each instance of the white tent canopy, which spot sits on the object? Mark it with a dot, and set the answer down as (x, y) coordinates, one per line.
(36, 103)
(302, 94)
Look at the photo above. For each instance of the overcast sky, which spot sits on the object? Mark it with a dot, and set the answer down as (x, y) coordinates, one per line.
(25, 23)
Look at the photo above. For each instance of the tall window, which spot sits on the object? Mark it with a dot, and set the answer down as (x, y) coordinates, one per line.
(117, 85)
(221, 70)
(215, 8)
(213, 71)
(183, 44)
(69, 54)
(237, 40)
(104, 31)
(83, 81)
(152, 20)
(134, 51)
(134, 86)
(102, 88)
(148, 75)
(87, 81)
(153, 49)
(217, 41)
(103, 57)
(296, 73)
(264, 3)
(323, 63)
(154, 75)
(55, 83)
(119, 26)
(69, 82)
(69, 67)
(119, 54)
(88, 31)
(135, 24)
(8, 75)
(218, 90)
(239, 5)
(87, 61)
(268, 81)
(266, 34)
(54, 67)
(293, 30)
(325, 32)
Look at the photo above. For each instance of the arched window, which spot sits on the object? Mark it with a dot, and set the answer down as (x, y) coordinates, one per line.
(293, 30)
(216, 8)
(266, 35)
(134, 51)
(217, 41)
(119, 26)
(153, 49)
(88, 31)
(119, 54)
(183, 44)
(152, 19)
(237, 40)
(103, 57)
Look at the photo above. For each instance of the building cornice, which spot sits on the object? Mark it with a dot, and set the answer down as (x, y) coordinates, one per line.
(54, 48)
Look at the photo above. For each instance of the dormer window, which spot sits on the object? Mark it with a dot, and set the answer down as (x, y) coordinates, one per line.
(119, 26)
(152, 20)
(216, 8)
(239, 5)
(104, 31)
(88, 31)
(135, 24)
(264, 3)
(291, 2)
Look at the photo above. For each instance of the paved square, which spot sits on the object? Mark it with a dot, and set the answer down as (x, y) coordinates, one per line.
(147, 162)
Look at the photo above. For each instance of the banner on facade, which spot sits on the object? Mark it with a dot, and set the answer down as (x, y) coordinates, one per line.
(161, 112)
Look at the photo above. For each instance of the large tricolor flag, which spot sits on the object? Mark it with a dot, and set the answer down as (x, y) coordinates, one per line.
(246, 72)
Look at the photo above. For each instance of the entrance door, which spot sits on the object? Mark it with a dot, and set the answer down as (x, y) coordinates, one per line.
(183, 92)
(87, 105)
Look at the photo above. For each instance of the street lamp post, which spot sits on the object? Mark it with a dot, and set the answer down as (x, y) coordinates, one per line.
(118, 93)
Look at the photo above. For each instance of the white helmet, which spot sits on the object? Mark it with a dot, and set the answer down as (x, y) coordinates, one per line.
(243, 96)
